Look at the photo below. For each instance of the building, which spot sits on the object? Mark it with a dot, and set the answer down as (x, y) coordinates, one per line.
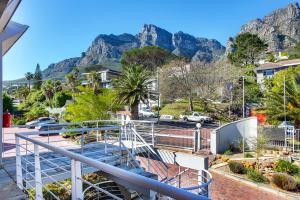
(268, 70)
(106, 77)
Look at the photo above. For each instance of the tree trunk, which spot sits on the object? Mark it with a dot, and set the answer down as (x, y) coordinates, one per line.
(191, 106)
(134, 111)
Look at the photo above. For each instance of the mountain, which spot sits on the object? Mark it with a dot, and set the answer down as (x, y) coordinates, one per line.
(108, 49)
(279, 29)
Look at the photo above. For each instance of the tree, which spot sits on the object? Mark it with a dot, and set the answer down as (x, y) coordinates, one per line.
(38, 77)
(295, 52)
(176, 81)
(132, 87)
(271, 57)
(149, 57)
(247, 49)
(48, 91)
(36, 110)
(57, 87)
(275, 96)
(71, 79)
(22, 93)
(90, 106)
(7, 103)
(93, 80)
(29, 77)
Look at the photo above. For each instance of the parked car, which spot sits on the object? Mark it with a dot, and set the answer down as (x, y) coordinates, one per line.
(196, 117)
(49, 127)
(40, 121)
(167, 117)
(287, 124)
(146, 113)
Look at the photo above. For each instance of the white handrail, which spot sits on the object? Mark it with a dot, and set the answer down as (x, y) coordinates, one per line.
(124, 175)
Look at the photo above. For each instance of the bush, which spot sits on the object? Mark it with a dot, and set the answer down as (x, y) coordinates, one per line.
(18, 121)
(256, 176)
(287, 167)
(35, 112)
(60, 99)
(248, 155)
(228, 152)
(284, 181)
(236, 167)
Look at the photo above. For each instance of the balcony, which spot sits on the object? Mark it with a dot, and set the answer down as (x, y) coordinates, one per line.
(103, 159)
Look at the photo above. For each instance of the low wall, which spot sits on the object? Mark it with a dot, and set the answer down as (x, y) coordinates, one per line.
(232, 133)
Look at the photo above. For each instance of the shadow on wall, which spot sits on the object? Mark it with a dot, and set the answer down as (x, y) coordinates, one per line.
(232, 133)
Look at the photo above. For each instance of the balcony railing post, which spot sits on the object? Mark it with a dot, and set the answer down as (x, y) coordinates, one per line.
(19, 164)
(97, 132)
(152, 131)
(77, 193)
(38, 175)
(105, 143)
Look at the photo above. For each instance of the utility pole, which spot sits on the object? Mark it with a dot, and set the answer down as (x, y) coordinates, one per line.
(284, 110)
(158, 93)
(244, 115)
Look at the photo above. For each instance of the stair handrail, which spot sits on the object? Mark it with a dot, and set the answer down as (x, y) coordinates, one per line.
(130, 177)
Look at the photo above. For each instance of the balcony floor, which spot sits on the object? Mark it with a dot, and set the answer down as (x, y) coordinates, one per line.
(8, 188)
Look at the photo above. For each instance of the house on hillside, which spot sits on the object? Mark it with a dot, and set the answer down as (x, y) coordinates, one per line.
(268, 70)
(106, 77)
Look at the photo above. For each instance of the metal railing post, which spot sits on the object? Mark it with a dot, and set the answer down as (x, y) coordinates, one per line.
(77, 193)
(38, 175)
(97, 132)
(19, 175)
(152, 130)
(105, 143)
(196, 141)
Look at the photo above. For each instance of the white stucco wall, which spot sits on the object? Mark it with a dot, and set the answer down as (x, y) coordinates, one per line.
(232, 133)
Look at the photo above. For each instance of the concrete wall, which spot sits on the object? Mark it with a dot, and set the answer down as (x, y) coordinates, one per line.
(232, 133)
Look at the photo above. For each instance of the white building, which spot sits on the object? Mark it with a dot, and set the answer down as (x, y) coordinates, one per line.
(268, 70)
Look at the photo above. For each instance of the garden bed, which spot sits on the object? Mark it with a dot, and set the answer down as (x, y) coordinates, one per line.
(268, 177)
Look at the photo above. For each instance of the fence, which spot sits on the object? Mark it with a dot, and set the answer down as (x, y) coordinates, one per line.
(281, 137)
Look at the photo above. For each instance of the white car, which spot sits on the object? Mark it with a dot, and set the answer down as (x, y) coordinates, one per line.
(287, 124)
(196, 117)
(40, 121)
(146, 113)
(167, 117)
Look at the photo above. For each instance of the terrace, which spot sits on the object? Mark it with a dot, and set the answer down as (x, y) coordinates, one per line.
(123, 154)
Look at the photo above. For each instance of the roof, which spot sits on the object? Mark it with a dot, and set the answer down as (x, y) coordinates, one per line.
(280, 64)
(10, 31)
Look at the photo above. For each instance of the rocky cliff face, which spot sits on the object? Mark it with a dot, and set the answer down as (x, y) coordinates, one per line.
(60, 69)
(280, 29)
(108, 49)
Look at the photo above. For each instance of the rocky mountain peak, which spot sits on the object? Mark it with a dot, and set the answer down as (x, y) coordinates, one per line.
(280, 29)
(107, 50)
(152, 35)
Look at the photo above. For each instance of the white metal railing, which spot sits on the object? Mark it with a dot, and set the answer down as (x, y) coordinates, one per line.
(79, 163)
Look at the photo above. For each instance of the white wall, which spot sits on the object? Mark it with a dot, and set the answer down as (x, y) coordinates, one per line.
(232, 133)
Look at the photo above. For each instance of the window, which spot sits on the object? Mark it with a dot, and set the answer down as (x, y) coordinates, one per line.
(269, 72)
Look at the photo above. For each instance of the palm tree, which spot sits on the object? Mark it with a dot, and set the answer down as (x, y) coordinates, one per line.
(132, 88)
(71, 79)
(48, 90)
(29, 76)
(275, 105)
(93, 80)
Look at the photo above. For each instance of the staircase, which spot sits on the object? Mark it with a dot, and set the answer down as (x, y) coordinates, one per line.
(54, 167)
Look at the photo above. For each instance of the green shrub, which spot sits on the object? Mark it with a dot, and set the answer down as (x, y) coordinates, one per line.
(18, 121)
(287, 167)
(228, 152)
(284, 181)
(248, 155)
(256, 176)
(36, 111)
(236, 167)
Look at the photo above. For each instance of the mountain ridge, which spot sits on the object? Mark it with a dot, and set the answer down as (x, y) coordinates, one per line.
(107, 49)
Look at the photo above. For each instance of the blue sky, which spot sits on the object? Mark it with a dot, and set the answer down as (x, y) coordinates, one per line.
(62, 29)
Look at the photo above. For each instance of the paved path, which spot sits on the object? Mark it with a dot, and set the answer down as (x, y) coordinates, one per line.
(8, 188)
(224, 188)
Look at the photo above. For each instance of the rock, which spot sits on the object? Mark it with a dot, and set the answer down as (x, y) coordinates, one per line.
(280, 29)
(108, 49)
